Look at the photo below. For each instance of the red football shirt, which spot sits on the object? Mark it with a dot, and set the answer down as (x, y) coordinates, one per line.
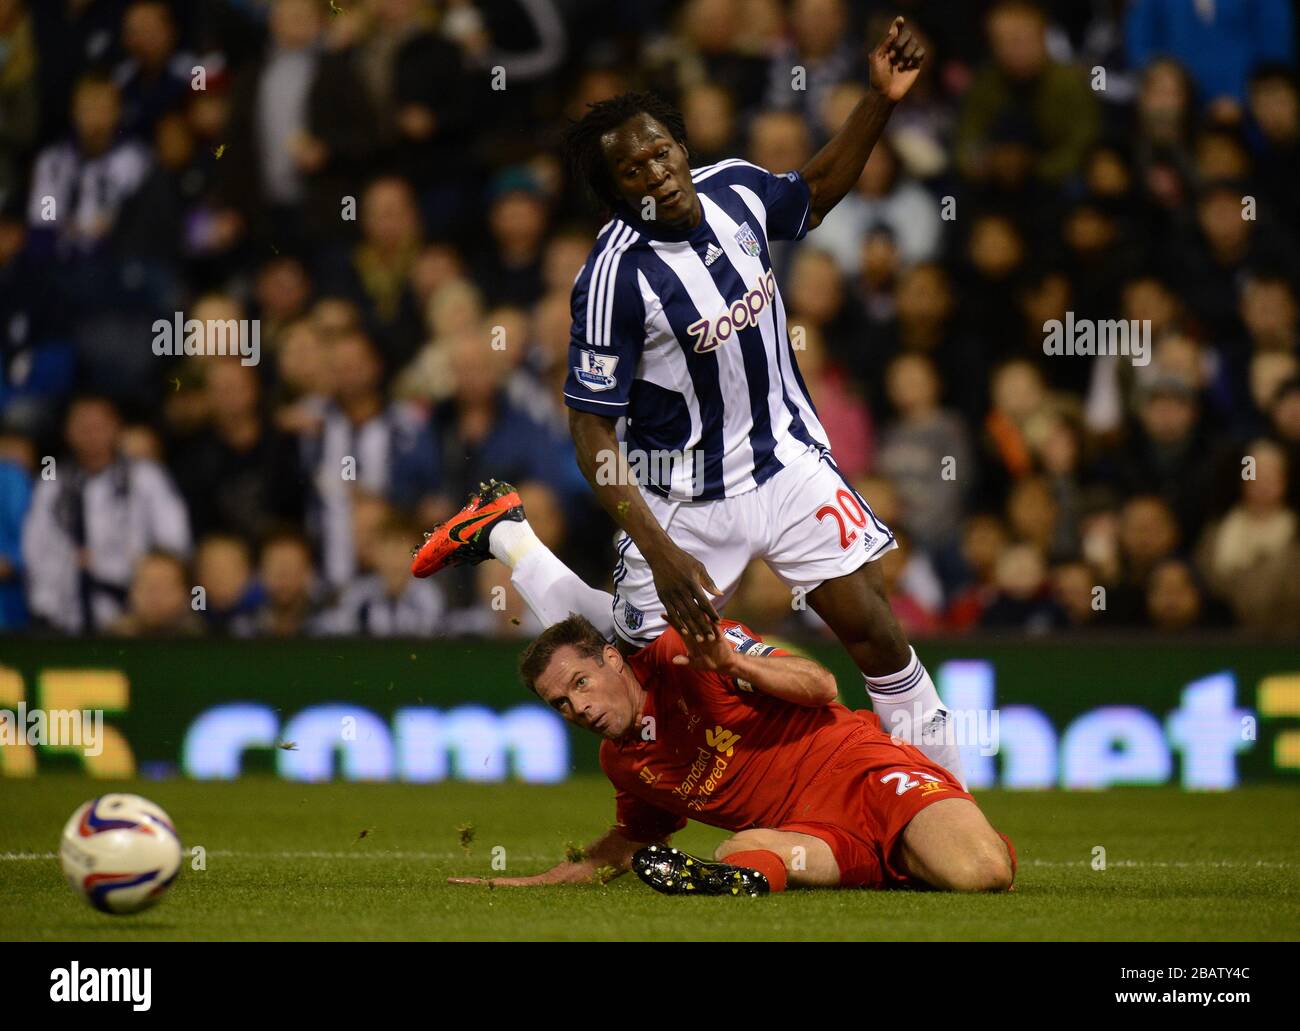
(710, 748)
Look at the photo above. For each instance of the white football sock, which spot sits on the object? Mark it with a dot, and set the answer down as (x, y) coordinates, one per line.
(549, 588)
(911, 710)
(510, 541)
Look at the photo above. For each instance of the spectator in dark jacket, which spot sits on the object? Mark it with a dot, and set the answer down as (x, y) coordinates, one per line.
(301, 130)
(419, 87)
(1023, 78)
(1023, 601)
(154, 79)
(478, 434)
(1169, 452)
(239, 474)
(376, 272)
(1275, 112)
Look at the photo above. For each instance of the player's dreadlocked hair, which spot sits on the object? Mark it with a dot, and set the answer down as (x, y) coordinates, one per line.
(576, 630)
(582, 140)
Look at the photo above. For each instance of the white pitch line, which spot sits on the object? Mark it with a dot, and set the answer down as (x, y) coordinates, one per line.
(1190, 863)
(363, 854)
(359, 854)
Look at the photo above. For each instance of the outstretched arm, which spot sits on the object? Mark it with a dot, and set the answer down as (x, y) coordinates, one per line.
(833, 170)
(610, 855)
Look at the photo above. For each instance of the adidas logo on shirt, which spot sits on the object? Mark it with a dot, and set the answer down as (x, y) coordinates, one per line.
(713, 253)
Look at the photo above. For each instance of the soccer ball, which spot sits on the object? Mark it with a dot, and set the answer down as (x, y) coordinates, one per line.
(120, 853)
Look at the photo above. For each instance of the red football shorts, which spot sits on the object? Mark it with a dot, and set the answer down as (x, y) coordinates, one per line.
(862, 800)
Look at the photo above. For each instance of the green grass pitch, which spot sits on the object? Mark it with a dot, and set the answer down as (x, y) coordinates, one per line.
(290, 862)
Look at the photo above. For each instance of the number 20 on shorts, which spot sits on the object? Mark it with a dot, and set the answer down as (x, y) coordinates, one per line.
(846, 509)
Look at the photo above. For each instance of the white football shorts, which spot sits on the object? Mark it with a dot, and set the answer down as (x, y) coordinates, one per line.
(806, 522)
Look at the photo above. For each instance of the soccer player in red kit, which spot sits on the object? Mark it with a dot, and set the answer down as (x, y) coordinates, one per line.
(744, 736)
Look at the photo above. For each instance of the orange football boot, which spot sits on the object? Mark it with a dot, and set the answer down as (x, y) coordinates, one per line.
(463, 539)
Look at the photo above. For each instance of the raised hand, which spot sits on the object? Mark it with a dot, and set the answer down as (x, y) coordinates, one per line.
(896, 61)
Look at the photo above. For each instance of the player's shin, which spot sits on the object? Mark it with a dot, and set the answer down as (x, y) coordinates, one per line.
(550, 589)
(911, 710)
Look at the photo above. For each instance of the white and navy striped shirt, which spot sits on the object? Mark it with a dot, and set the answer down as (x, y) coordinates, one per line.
(684, 334)
(340, 457)
(115, 517)
(368, 609)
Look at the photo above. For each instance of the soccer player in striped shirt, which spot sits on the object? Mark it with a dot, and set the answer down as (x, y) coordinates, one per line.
(680, 332)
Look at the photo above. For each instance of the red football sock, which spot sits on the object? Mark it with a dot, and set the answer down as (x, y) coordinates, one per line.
(769, 864)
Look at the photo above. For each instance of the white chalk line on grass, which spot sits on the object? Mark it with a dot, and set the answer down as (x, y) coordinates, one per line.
(366, 854)
(1189, 863)
(358, 854)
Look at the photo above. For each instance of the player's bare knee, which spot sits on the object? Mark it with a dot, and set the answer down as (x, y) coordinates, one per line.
(993, 874)
(983, 870)
(741, 842)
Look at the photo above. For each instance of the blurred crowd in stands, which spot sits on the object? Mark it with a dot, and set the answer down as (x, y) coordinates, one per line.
(379, 184)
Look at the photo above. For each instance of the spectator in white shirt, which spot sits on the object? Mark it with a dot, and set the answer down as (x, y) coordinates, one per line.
(884, 196)
(94, 514)
(80, 186)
